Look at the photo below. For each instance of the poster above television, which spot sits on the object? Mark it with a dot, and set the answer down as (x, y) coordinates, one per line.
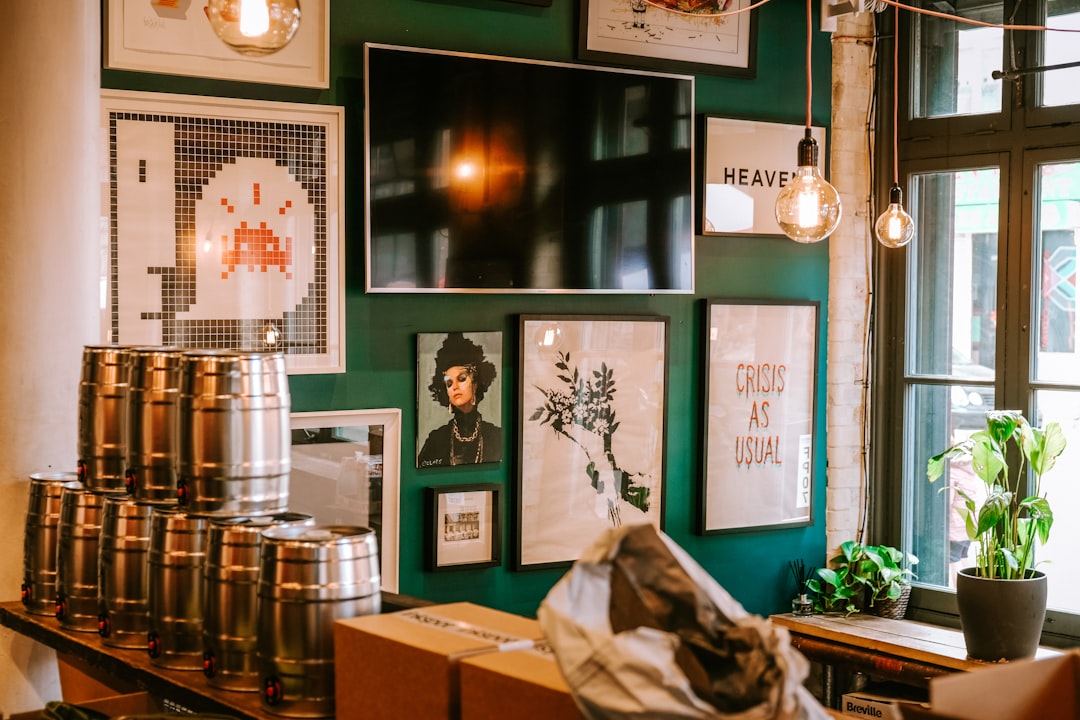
(490, 174)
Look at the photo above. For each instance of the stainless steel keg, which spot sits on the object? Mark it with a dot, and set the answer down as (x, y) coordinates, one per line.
(153, 424)
(81, 513)
(230, 622)
(235, 440)
(40, 539)
(123, 564)
(309, 578)
(103, 416)
(175, 589)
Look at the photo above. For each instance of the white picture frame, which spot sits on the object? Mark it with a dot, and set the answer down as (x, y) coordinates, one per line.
(330, 453)
(155, 37)
(223, 226)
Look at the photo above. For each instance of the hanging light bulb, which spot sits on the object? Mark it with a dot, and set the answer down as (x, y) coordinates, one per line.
(254, 27)
(894, 227)
(808, 208)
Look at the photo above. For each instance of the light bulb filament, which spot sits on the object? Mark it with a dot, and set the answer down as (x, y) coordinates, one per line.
(254, 18)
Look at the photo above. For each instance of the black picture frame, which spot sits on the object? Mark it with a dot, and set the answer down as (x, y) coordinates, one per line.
(633, 32)
(759, 409)
(592, 398)
(462, 527)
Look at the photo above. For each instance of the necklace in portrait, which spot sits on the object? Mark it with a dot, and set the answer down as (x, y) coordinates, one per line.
(455, 435)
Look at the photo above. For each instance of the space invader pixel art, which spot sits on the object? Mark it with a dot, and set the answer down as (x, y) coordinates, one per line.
(223, 234)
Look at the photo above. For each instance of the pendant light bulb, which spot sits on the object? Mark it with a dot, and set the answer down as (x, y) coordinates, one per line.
(808, 207)
(894, 227)
(254, 27)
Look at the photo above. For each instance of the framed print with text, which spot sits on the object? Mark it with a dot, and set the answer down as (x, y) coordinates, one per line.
(176, 38)
(222, 225)
(593, 408)
(760, 395)
(346, 470)
(717, 37)
(463, 529)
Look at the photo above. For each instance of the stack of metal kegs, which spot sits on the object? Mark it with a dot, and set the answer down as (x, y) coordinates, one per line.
(174, 536)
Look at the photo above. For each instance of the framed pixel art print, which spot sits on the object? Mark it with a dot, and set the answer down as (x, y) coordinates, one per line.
(760, 396)
(223, 226)
(175, 37)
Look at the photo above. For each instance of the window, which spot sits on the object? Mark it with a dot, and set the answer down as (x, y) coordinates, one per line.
(979, 311)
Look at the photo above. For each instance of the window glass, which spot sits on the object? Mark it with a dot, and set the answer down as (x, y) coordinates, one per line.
(1056, 321)
(1061, 87)
(955, 274)
(954, 63)
(1058, 556)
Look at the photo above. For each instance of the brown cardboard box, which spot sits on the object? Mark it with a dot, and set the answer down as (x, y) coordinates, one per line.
(80, 681)
(522, 684)
(1045, 689)
(115, 706)
(405, 664)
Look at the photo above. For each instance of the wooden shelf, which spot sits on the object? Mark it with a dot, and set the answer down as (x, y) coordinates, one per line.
(132, 667)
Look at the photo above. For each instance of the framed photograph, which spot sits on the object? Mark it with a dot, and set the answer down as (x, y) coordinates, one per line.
(760, 396)
(223, 226)
(717, 37)
(346, 470)
(747, 163)
(593, 407)
(458, 399)
(462, 526)
(175, 37)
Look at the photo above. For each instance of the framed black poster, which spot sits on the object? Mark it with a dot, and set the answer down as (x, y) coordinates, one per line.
(760, 395)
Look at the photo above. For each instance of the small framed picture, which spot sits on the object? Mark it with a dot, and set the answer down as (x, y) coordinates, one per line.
(462, 526)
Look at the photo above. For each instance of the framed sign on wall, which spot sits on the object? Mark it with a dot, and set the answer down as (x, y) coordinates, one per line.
(760, 396)
(746, 165)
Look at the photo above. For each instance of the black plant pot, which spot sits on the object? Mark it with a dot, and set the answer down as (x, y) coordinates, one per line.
(1001, 619)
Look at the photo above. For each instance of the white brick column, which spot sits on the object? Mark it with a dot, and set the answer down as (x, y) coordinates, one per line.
(849, 281)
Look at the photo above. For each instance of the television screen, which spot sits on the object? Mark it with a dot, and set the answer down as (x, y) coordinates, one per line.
(503, 175)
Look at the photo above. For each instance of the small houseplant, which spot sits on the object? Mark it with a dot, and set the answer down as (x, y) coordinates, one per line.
(862, 576)
(1008, 527)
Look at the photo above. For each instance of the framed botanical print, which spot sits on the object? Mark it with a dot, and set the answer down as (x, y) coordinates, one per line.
(593, 404)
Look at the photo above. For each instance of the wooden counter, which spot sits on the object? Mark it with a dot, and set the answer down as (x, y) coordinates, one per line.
(132, 668)
(899, 650)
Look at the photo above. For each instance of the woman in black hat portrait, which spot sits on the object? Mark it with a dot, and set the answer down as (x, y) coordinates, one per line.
(462, 376)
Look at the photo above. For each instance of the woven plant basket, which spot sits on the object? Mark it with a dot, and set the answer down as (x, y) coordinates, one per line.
(895, 609)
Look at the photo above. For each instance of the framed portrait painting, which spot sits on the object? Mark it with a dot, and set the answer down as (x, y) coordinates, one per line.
(346, 470)
(462, 526)
(175, 37)
(222, 226)
(459, 399)
(717, 37)
(760, 400)
(593, 401)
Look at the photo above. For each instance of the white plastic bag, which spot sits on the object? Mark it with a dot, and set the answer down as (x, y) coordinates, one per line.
(673, 644)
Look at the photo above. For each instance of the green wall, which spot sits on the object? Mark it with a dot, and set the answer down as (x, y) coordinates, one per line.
(381, 329)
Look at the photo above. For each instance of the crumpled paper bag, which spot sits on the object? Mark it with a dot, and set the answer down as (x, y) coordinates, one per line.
(640, 630)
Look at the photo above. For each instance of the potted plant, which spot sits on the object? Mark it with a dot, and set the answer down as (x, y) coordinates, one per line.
(1008, 527)
(863, 577)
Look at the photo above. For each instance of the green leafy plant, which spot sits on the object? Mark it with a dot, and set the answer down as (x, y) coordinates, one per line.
(861, 575)
(1005, 524)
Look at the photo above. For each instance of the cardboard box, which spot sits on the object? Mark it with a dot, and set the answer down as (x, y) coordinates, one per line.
(405, 664)
(1045, 689)
(522, 684)
(876, 703)
(115, 706)
(80, 681)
